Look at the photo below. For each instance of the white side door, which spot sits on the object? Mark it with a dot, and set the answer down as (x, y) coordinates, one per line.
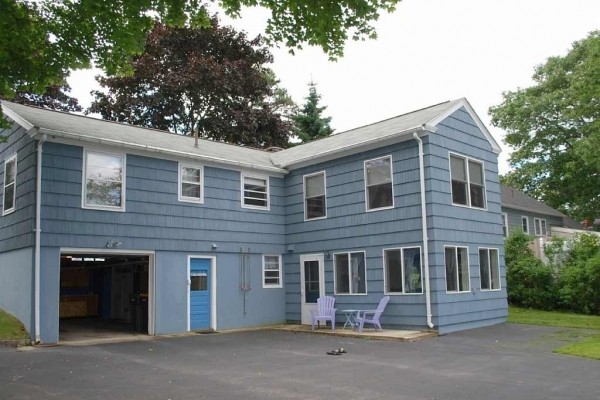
(312, 284)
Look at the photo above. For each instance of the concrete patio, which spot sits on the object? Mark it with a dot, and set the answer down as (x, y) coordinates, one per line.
(386, 334)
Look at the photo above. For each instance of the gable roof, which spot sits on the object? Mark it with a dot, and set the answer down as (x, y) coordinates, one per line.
(512, 198)
(86, 129)
(355, 140)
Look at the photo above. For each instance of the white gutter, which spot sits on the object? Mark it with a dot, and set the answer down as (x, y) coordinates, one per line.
(159, 150)
(350, 147)
(424, 225)
(38, 230)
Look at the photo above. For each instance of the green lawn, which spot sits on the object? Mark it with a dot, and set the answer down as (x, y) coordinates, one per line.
(589, 347)
(11, 328)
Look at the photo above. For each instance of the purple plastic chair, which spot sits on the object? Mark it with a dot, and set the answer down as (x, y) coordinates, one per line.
(365, 315)
(325, 312)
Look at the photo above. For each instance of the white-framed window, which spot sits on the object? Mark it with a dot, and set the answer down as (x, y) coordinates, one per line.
(457, 269)
(104, 181)
(402, 270)
(489, 271)
(191, 183)
(315, 203)
(379, 187)
(468, 181)
(505, 224)
(272, 276)
(255, 192)
(525, 224)
(10, 185)
(539, 225)
(350, 275)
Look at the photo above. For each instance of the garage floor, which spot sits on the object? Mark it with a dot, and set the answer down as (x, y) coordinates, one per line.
(83, 331)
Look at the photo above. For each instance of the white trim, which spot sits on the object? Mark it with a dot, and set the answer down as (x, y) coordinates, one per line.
(188, 199)
(76, 138)
(385, 282)
(490, 268)
(463, 102)
(526, 218)
(505, 224)
(349, 253)
(243, 176)
(324, 194)
(468, 183)
(304, 306)
(123, 157)
(10, 113)
(366, 187)
(351, 149)
(213, 289)
(456, 247)
(280, 270)
(151, 274)
(14, 205)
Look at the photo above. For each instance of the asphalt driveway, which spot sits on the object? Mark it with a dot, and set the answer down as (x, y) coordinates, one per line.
(501, 362)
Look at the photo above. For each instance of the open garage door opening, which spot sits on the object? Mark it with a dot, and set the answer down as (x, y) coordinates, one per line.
(103, 296)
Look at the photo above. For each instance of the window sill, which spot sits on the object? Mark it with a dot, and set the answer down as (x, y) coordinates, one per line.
(103, 208)
(402, 294)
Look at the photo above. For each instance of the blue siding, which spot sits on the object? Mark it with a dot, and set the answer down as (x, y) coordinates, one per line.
(348, 227)
(461, 226)
(154, 220)
(16, 228)
(16, 285)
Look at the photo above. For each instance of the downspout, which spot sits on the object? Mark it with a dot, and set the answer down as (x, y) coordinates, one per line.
(38, 231)
(424, 225)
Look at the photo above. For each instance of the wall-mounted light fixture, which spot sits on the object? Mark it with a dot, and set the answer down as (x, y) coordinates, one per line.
(290, 248)
(328, 255)
(215, 246)
(113, 244)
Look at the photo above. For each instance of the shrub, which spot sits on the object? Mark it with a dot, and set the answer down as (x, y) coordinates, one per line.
(579, 284)
(529, 282)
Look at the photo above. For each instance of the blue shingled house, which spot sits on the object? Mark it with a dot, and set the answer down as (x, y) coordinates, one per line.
(114, 222)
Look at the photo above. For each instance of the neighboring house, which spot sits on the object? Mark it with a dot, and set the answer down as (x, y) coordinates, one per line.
(114, 221)
(524, 213)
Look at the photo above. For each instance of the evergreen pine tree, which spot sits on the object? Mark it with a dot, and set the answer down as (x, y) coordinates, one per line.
(309, 122)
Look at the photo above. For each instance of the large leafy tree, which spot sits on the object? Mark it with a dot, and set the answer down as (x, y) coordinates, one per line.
(309, 122)
(40, 40)
(209, 82)
(554, 127)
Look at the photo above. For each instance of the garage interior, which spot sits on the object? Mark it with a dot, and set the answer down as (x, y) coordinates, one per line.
(103, 295)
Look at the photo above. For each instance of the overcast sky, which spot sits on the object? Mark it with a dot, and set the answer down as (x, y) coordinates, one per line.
(427, 52)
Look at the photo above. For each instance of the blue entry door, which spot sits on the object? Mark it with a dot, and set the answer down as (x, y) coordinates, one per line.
(199, 294)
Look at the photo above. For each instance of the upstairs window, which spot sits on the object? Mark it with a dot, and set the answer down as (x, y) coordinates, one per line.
(378, 183)
(190, 183)
(505, 225)
(104, 186)
(468, 185)
(457, 269)
(350, 274)
(10, 185)
(255, 192)
(539, 225)
(314, 196)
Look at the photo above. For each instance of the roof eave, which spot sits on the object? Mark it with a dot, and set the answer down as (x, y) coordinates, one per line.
(356, 147)
(158, 150)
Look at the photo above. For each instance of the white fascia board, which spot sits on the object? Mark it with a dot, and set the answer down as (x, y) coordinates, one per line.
(464, 103)
(157, 150)
(355, 148)
(17, 118)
